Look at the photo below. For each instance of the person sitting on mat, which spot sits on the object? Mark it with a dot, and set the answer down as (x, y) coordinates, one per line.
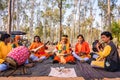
(82, 50)
(5, 48)
(108, 57)
(40, 54)
(63, 51)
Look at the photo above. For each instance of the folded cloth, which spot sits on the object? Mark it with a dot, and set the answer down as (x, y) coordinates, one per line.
(62, 72)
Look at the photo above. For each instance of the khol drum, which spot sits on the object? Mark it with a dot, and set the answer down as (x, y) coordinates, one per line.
(17, 56)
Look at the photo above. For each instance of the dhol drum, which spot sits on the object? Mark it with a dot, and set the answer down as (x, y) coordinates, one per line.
(17, 56)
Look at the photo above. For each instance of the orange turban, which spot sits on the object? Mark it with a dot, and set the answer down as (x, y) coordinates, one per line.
(17, 37)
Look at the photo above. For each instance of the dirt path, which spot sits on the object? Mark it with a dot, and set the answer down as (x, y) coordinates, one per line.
(49, 78)
(40, 78)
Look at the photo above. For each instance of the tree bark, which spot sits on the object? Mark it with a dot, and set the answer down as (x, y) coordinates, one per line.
(60, 7)
(79, 16)
(12, 16)
(17, 16)
(9, 17)
(109, 16)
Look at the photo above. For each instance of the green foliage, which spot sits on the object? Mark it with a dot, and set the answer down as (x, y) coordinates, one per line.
(68, 6)
(116, 30)
(87, 22)
(25, 29)
(39, 30)
(3, 4)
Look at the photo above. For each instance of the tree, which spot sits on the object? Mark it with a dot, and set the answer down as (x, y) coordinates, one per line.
(9, 16)
(60, 7)
(107, 7)
(109, 16)
(13, 16)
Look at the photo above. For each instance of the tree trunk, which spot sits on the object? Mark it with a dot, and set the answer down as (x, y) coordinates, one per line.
(75, 11)
(17, 16)
(79, 16)
(9, 17)
(12, 15)
(109, 16)
(31, 20)
(60, 7)
(45, 30)
(91, 23)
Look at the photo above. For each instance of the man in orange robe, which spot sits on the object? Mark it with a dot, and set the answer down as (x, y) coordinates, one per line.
(16, 41)
(63, 51)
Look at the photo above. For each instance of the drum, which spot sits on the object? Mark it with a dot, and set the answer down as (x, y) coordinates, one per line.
(17, 56)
